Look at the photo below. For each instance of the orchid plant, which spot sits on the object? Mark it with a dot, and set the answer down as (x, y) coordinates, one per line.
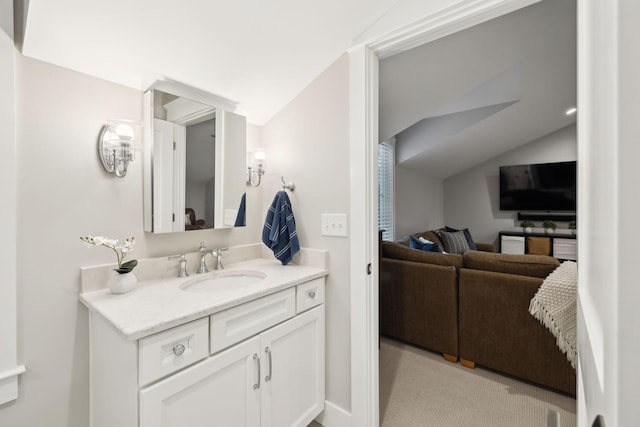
(121, 250)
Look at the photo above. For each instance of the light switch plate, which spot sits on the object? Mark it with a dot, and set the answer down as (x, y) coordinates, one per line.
(334, 225)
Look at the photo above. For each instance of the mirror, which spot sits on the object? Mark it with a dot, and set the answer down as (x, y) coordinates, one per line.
(194, 165)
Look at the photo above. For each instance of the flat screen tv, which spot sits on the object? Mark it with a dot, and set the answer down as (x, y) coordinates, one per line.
(538, 187)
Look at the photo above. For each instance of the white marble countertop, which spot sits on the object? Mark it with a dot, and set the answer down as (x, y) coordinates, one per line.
(159, 304)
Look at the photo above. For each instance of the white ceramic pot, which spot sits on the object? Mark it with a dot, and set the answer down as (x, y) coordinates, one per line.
(121, 283)
(527, 229)
(549, 230)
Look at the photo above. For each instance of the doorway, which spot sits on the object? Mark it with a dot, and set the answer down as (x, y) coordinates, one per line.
(459, 108)
(364, 124)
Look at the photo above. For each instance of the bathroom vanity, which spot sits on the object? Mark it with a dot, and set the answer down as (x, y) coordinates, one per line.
(241, 347)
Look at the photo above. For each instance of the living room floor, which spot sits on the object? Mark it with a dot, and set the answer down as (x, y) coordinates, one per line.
(419, 388)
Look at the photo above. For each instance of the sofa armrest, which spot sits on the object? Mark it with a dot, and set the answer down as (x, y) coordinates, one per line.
(419, 304)
(496, 329)
(486, 247)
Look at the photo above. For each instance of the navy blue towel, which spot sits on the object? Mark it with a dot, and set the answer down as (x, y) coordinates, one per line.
(241, 217)
(279, 232)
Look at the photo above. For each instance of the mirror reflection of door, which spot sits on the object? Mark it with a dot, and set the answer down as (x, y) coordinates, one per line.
(184, 175)
(163, 177)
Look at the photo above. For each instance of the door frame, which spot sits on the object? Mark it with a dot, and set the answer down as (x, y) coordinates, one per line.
(363, 139)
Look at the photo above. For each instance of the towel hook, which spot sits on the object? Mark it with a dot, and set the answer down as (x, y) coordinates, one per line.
(287, 186)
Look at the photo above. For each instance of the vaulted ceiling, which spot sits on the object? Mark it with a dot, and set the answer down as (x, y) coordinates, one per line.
(473, 95)
(258, 53)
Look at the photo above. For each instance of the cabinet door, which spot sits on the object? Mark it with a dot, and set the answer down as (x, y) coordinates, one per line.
(512, 245)
(565, 249)
(221, 391)
(293, 371)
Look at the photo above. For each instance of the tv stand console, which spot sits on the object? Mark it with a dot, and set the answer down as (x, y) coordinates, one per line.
(562, 246)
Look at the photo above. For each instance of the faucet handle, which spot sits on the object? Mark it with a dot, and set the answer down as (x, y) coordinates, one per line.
(218, 254)
(202, 246)
(183, 264)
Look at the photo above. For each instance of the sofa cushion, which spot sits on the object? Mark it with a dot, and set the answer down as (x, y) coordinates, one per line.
(423, 244)
(455, 242)
(402, 252)
(525, 265)
(467, 235)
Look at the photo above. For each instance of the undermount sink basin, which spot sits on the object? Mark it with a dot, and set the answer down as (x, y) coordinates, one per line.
(223, 281)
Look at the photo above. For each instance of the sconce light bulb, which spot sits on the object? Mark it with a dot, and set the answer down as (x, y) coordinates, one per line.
(259, 156)
(124, 132)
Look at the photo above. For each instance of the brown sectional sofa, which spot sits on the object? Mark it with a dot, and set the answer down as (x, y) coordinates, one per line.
(473, 307)
(419, 295)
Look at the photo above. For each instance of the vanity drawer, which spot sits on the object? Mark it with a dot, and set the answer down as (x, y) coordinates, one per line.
(236, 324)
(309, 294)
(172, 350)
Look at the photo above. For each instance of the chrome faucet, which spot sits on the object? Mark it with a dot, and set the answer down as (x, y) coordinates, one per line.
(182, 272)
(203, 255)
(218, 254)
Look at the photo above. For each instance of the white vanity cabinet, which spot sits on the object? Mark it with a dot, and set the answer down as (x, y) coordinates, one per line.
(263, 366)
(273, 380)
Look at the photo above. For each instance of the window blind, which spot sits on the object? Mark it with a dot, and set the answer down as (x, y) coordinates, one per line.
(386, 163)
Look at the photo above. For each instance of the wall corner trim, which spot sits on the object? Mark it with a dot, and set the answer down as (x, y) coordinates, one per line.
(334, 416)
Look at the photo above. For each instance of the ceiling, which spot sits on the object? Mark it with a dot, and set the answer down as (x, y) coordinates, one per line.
(463, 99)
(258, 53)
(472, 95)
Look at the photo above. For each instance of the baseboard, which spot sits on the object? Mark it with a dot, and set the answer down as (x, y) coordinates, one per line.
(334, 416)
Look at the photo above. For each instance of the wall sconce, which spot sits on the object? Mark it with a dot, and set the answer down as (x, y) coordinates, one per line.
(256, 167)
(116, 144)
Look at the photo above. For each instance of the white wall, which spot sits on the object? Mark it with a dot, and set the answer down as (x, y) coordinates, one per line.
(307, 143)
(8, 386)
(471, 198)
(63, 193)
(418, 204)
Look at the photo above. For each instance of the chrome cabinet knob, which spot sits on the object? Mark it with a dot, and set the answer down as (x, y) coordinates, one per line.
(178, 350)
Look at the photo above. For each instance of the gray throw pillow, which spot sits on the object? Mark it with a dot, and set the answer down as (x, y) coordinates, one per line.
(454, 243)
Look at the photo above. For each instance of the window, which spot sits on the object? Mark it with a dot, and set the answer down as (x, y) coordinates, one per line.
(386, 163)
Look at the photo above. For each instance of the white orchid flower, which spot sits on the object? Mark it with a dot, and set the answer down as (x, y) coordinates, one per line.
(121, 250)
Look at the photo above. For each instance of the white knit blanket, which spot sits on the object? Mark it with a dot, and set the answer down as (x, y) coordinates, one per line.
(554, 305)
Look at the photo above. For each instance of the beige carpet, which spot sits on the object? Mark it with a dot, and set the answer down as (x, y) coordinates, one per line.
(419, 388)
